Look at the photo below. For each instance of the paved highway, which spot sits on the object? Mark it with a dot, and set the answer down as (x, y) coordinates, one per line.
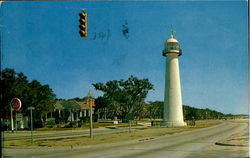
(191, 144)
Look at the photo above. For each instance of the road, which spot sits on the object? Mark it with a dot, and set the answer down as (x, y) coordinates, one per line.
(191, 144)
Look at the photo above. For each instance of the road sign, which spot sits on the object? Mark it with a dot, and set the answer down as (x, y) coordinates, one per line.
(19, 117)
(31, 108)
(16, 104)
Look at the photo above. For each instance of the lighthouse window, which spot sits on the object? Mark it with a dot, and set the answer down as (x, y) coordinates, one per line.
(171, 47)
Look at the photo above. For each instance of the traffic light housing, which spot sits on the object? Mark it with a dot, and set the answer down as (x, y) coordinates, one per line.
(83, 24)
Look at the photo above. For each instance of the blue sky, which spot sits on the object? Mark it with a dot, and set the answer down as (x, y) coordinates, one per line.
(41, 40)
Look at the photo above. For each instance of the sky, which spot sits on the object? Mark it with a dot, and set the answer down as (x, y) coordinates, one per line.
(41, 40)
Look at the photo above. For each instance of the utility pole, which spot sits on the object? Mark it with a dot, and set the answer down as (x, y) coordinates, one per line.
(90, 102)
(31, 123)
(91, 120)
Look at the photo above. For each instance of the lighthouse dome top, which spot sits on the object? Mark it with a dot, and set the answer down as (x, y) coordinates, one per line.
(172, 40)
(172, 46)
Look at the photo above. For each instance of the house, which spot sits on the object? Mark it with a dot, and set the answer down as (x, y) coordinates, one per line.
(71, 110)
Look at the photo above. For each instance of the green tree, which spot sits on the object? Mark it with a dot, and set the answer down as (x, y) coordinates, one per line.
(42, 98)
(16, 85)
(124, 98)
(8, 82)
(155, 109)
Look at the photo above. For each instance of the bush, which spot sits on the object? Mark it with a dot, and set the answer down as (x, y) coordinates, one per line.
(84, 119)
(95, 118)
(37, 123)
(50, 122)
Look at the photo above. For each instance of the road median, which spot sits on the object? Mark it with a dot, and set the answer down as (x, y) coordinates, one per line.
(134, 134)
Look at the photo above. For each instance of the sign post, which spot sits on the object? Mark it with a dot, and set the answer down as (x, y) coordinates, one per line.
(31, 123)
(15, 105)
(16, 122)
(12, 122)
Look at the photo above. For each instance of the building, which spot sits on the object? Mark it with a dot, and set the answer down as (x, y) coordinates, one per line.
(71, 110)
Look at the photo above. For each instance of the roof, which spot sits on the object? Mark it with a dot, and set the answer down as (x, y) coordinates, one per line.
(85, 103)
(172, 40)
(60, 105)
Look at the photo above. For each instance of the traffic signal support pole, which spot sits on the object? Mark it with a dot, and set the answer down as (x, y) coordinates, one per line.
(91, 126)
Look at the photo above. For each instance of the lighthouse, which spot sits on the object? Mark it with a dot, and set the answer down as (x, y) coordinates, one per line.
(173, 113)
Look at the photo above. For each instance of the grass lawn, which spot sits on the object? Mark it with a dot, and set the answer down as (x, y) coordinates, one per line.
(114, 137)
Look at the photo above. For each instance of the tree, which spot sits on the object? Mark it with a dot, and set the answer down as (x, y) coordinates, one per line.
(42, 98)
(124, 98)
(30, 93)
(105, 108)
(155, 109)
(12, 85)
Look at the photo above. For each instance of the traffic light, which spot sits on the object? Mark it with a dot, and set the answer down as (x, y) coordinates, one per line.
(83, 24)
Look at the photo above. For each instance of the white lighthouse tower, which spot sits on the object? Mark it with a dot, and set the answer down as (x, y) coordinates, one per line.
(173, 114)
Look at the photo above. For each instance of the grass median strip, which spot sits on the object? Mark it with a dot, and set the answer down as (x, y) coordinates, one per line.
(139, 134)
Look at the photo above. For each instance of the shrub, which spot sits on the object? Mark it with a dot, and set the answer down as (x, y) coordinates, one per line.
(50, 122)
